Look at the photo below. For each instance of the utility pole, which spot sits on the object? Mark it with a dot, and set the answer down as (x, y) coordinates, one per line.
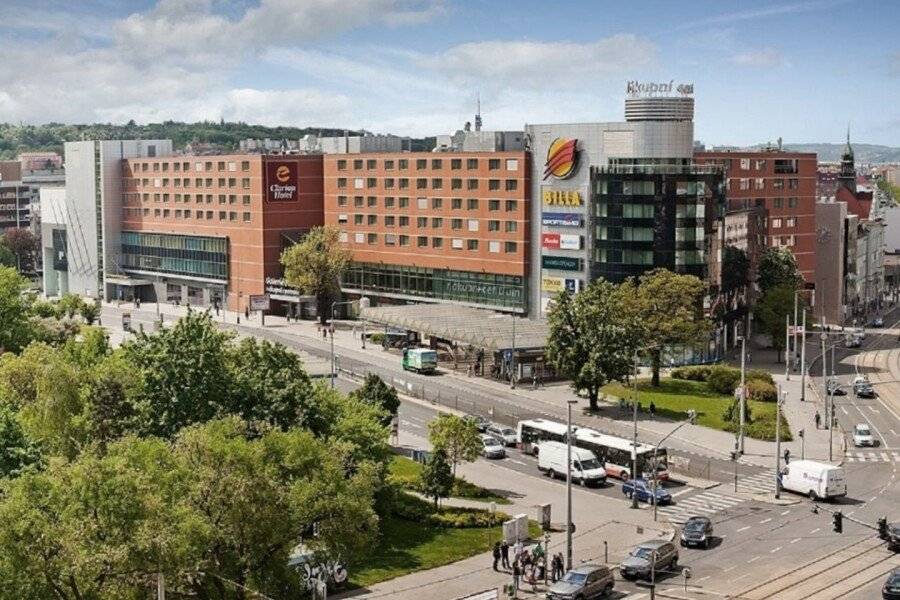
(803, 359)
(824, 337)
(787, 343)
(796, 319)
(781, 397)
(512, 357)
(160, 586)
(634, 499)
(569, 484)
(743, 409)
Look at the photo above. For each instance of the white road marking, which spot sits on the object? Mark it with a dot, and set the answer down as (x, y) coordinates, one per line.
(815, 530)
(874, 410)
(744, 528)
(517, 462)
(741, 577)
(774, 550)
(885, 456)
(728, 569)
(703, 578)
(765, 521)
(893, 432)
(872, 498)
(845, 410)
(676, 494)
(795, 540)
(785, 512)
(753, 559)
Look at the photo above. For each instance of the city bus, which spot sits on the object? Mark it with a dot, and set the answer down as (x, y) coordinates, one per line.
(532, 432)
(614, 453)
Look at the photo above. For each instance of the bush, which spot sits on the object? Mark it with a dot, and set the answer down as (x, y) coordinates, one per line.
(415, 509)
(695, 373)
(759, 375)
(376, 338)
(760, 390)
(723, 380)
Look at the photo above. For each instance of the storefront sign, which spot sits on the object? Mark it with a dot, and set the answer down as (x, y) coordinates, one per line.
(550, 240)
(562, 158)
(561, 263)
(561, 219)
(561, 197)
(279, 287)
(569, 242)
(259, 302)
(281, 181)
(552, 284)
(573, 285)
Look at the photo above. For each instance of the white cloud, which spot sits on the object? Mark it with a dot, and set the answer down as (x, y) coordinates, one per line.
(763, 57)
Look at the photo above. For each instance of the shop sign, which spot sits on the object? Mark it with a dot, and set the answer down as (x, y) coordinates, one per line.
(279, 287)
(560, 263)
(569, 242)
(562, 158)
(281, 181)
(561, 197)
(550, 240)
(561, 219)
(573, 285)
(552, 284)
(259, 302)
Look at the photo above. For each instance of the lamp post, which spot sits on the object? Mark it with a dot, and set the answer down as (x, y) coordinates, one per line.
(782, 396)
(787, 347)
(634, 500)
(363, 303)
(512, 358)
(803, 359)
(829, 413)
(569, 484)
(743, 410)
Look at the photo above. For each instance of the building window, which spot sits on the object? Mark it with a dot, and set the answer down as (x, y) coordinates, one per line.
(357, 164)
(494, 247)
(342, 183)
(759, 183)
(372, 238)
(471, 184)
(342, 164)
(473, 224)
(493, 164)
(371, 201)
(437, 223)
(471, 163)
(389, 165)
(778, 184)
(512, 164)
(437, 184)
(472, 203)
(793, 184)
(493, 225)
(357, 219)
(744, 184)
(456, 184)
(511, 247)
(245, 200)
(512, 185)
(221, 198)
(371, 182)
(422, 203)
(421, 183)
(389, 202)
(421, 164)
(372, 219)
(456, 224)
(512, 205)
(404, 183)
(358, 183)
(456, 203)
(493, 184)
(404, 240)
(422, 241)
(404, 221)
(437, 242)
(493, 205)
(512, 226)
(404, 202)
(790, 222)
(390, 239)
(456, 164)
(437, 203)
(389, 183)
(371, 164)
(792, 202)
(776, 223)
(472, 244)
(778, 203)
(456, 243)
(437, 163)
(421, 222)
(389, 220)
(403, 164)
(246, 217)
(745, 164)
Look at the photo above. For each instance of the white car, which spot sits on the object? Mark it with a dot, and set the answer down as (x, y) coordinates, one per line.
(507, 435)
(492, 447)
(862, 436)
(859, 379)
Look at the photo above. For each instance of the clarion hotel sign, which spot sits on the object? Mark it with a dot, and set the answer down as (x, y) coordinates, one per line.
(281, 181)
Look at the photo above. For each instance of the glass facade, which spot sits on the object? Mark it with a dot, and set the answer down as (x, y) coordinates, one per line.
(192, 256)
(486, 289)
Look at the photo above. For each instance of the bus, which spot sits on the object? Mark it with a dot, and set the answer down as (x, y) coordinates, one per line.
(614, 453)
(532, 432)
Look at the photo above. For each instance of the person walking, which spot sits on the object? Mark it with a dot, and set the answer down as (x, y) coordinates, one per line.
(518, 547)
(560, 566)
(496, 555)
(517, 573)
(652, 408)
(818, 419)
(504, 554)
(787, 455)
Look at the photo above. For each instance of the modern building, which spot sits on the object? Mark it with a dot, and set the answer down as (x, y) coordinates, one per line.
(312, 144)
(54, 247)
(619, 199)
(16, 197)
(835, 234)
(448, 227)
(783, 184)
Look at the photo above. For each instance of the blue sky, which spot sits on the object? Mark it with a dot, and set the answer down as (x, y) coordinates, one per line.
(799, 70)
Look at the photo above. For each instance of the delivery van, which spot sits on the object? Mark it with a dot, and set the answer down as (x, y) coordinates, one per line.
(819, 481)
(420, 360)
(586, 469)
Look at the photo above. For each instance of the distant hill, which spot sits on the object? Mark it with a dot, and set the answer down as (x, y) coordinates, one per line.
(864, 153)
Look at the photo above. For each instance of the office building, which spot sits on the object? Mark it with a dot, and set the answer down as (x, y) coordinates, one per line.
(449, 227)
(54, 245)
(17, 197)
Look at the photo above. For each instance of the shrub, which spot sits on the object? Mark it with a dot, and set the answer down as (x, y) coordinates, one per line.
(759, 375)
(723, 380)
(762, 391)
(694, 373)
(415, 509)
(376, 338)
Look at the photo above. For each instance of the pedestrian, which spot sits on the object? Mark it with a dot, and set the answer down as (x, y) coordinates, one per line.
(496, 554)
(504, 553)
(652, 408)
(324, 333)
(538, 551)
(517, 550)
(818, 419)
(559, 566)
(787, 455)
(517, 573)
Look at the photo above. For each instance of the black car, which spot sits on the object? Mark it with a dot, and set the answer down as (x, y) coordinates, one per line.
(891, 588)
(835, 390)
(893, 539)
(697, 531)
(864, 391)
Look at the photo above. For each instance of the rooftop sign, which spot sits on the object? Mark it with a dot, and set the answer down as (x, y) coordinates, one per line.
(638, 88)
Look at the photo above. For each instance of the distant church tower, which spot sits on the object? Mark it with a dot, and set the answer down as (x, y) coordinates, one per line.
(848, 166)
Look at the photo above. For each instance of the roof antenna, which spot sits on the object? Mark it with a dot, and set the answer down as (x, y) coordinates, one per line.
(478, 113)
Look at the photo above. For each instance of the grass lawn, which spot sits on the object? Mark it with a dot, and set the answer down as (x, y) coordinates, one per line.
(674, 397)
(406, 546)
(406, 470)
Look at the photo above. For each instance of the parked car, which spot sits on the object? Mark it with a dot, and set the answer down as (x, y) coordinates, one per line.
(893, 539)
(655, 555)
(891, 588)
(862, 436)
(814, 479)
(878, 322)
(644, 491)
(481, 423)
(586, 469)
(852, 341)
(860, 379)
(582, 583)
(507, 435)
(697, 531)
(492, 447)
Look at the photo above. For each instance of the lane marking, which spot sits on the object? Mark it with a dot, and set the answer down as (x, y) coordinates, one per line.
(744, 528)
(676, 494)
(774, 550)
(517, 462)
(785, 513)
(728, 569)
(815, 530)
(795, 540)
(753, 559)
(703, 578)
(845, 410)
(765, 521)
(874, 410)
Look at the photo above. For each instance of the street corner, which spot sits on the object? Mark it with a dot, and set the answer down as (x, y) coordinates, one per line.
(771, 499)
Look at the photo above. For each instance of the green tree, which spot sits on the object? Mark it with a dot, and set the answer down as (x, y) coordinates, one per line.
(359, 429)
(7, 258)
(591, 339)
(735, 269)
(457, 437)
(669, 309)
(16, 330)
(732, 414)
(436, 476)
(376, 392)
(23, 244)
(778, 267)
(113, 400)
(90, 311)
(771, 311)
(70, 305)
(315, 266)
(17, 450)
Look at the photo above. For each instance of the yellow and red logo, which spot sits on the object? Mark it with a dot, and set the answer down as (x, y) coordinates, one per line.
(282, 174)
(562, 158)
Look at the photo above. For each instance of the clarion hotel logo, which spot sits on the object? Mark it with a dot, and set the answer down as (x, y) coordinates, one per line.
(282, 180)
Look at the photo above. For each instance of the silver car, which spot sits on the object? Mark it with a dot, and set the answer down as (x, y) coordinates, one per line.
(507, 435)
(491, 447)
(584, 581)
(658, 555)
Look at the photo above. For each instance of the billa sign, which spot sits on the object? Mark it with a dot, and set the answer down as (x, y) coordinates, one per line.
(561, 263)
(561, 219)
(281, 181)
(562, 158)
(561, 197)
(550, 240)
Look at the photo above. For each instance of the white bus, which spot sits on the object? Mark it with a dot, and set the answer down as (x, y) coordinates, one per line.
(614, 453)
(532, 432)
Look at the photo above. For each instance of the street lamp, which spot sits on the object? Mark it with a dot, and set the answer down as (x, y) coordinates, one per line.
(829, 414)
(742, 409)
(512, 360)
(569, 404)
(634, 442)
(692, 417)
(363, 303)
(782, 397)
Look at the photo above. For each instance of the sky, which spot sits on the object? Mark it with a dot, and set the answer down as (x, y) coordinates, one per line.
(799, 70)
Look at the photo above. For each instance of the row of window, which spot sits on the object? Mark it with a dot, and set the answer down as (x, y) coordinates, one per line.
(422, 222)
(185, 166)
(782, 240)
(199, 198)
(759, 183)
(187, 213)
(789, 222)
(198, 182)
(424, 241)
(424, 183)
(783, 166)
(425, 203)
(402, 164)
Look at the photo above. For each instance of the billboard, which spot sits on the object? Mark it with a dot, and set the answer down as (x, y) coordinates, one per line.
(259, 302)
(561, 263)
(281, 181)
(562, 158)
(552, 284)
(550, 240)
(561, 219)
(569, 242)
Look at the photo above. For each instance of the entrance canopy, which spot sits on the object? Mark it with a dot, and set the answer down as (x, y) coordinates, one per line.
(126, 281)
(476, 327)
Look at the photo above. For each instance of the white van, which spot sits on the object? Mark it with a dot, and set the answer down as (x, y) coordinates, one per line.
(586, 469)
(814, 479)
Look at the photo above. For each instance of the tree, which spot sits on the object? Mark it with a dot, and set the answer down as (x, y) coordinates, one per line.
(732, 414)
(376, 392)
(315, 266)
(23, 244)
(778, 267)
(15, 327)
(113, 400)
(669, 309)
(90, 311)
(772, 310)
(436, 476)
(735, 270)
(70, 305)
(17, 450)
(457, 437)
(591, 339)
(7, 258)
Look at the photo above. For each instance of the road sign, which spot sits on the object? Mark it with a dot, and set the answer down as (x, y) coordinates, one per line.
(259, 302)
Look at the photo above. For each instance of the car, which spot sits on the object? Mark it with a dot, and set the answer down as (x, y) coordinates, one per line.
(853, 341)
(864, 390)
(859, 380)
(582, 583)
(893, 537)
(481, 423)
(646, 557)
(507, 435)
(643, 490)
(492, 447)
(878, 322)
(835, 389)
(862, 436)
(697, 531)
(891, 588)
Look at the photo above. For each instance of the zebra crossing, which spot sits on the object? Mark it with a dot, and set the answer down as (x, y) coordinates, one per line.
(872, 456)
(703, 504)
(760, 483)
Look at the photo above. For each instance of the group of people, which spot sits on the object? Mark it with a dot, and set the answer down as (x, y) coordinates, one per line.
(528, 566)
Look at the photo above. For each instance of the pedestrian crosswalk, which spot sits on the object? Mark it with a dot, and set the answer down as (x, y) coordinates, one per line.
(703, 504)
(872, 456)
(760, 483)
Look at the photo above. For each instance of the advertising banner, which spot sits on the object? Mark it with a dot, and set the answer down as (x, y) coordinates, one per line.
(561, 219)
(259, 302)
(552, 284)
(281, 181)
(550, 240)
(569, 242)
(561, 263)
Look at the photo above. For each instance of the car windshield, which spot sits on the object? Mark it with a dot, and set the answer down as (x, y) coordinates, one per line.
(694, 525)
(642, 552)
(862, 430)
(590, 464)
(490, 442)
(575, 578)
(507, 431)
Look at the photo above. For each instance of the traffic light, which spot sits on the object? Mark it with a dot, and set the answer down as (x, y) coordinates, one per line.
(838, 522)
(882, 528)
